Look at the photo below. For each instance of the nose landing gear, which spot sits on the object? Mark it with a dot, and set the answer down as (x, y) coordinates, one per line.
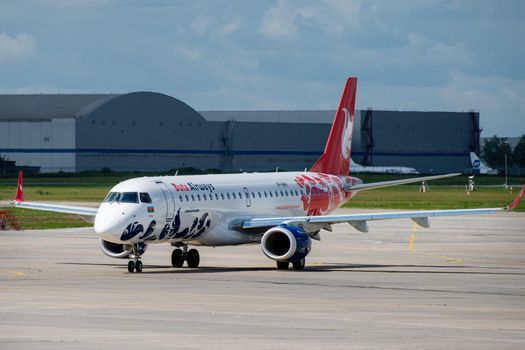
(178, 256)
(135, 264)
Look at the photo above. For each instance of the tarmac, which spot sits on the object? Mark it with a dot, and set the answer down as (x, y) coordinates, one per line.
(457, 285)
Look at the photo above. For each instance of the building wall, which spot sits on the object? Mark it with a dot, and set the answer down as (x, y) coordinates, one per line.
(431, 142)
(145, 131)
(155, 132)
(48, 144)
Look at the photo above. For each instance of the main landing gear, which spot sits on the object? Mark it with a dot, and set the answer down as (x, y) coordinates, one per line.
(178, 256)
(297, 265)
(135, 264)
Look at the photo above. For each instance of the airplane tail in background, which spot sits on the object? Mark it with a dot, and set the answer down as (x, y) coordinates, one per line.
(19, 188)
(478, 167)
(336, 156)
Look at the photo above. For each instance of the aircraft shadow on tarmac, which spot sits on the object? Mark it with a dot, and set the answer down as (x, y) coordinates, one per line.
(366, 268)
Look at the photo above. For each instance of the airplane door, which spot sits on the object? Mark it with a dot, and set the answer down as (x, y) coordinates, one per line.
(170, 201)
(247, 195)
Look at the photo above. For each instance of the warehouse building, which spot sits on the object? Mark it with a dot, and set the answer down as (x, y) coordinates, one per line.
(149, 131)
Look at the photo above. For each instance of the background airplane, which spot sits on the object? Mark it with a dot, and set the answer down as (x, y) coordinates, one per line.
(358, 168)
(478, 167)
(281, 211)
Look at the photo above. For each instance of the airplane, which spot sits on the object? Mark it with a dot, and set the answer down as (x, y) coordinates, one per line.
(281, 211)
(478, 167)
(358, 168)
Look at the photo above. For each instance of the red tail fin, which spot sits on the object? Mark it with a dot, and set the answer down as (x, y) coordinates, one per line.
(336, 156)
(20, 188)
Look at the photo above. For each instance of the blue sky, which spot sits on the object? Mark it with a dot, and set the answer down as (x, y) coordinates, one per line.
(247, 55)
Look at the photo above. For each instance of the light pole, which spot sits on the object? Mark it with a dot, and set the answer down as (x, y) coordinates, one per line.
(506, 184)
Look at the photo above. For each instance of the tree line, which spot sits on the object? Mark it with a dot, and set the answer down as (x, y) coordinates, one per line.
(493, 152)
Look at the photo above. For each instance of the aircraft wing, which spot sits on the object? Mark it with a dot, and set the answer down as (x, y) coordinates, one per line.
(60, 208)
(372, 185)
(313, 224)
(68, 209)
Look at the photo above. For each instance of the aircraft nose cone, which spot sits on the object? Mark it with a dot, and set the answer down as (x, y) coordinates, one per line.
(107, 225)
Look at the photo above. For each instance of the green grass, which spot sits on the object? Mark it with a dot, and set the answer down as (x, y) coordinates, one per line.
(439, 197)
(69, 193)
(39, 220)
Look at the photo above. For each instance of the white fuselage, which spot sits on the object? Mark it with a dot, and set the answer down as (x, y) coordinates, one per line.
(204, 209)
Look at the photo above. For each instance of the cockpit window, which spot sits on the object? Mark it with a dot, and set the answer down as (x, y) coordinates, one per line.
(112, 197)
(145, 198)
(129, 197)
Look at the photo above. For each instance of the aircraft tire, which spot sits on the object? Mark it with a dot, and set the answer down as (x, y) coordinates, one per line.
(299, 264)
(193, 258)
(177, 258)
(139, 266)
(282, 265)
(131, 266)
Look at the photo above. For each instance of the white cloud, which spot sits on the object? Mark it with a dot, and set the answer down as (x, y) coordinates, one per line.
(201, 25)
(231, 27)
(15, 47)
(278, 22)
(284, 20)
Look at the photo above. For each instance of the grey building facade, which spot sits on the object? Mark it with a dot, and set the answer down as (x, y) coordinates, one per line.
(154, 132)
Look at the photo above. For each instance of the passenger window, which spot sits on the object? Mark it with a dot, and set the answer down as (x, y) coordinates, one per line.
(253, 195)
(276, 194)
(193, 198)
(282, 193)
(211, 197)
(187, 199)
(240, 195)
(286, 192)
(270, 193)
(265, 194)
(145, 198)
(233, 195)
(222, 196)
(228, 195)
(180, 198)
(129, 197)
(216, 196)
(259, 193)
(198, 197)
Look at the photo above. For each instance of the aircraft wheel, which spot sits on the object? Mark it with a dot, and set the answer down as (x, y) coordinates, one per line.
(282, 265)
(299, 264)
(131, 266)
(138, 266)
(193, 258)
(177, 258)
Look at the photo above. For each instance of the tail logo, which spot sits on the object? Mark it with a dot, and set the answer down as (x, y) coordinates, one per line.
(346, 138)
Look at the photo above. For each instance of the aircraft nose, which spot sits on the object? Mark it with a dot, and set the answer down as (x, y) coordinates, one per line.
(108, 225)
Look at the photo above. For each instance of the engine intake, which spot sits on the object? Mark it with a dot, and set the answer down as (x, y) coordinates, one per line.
(118, 250)
(286, 243)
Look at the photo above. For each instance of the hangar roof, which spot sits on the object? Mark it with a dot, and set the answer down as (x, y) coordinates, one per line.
(47, 106)
(283, 116)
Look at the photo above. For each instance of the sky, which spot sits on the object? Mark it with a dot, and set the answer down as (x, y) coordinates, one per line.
(265, 55)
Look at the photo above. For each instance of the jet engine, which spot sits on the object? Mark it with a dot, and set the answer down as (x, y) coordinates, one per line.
(118, 250)
(286, 243)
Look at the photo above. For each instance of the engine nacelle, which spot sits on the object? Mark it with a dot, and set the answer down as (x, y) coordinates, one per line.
(118, 250)
(286, 243)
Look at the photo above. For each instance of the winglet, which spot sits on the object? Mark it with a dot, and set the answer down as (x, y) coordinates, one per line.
(20, 188)
(516, 200)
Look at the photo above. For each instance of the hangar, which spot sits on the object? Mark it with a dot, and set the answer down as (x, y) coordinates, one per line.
(150, 131)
